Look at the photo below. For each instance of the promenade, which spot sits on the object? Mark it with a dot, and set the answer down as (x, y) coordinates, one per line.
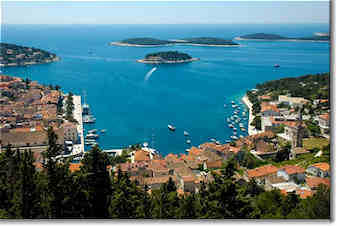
(251, 129)
(78, 148)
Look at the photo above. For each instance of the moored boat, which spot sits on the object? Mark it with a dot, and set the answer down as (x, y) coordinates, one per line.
(172, 128)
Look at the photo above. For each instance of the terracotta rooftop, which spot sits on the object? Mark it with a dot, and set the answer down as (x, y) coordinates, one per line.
(322, 165)
(74, 167)
(292, 169)
(262, 171)
(158, 180)
(214, 164)
(304, 193)
(268, 107)
(141, 155)
(325, 116)
(188, 178)
(195, 151)
(314, 182)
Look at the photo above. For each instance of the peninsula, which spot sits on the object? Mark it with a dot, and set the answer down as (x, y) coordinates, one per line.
(276, 37)
(169, 57)
(14, 55)
(152, 42)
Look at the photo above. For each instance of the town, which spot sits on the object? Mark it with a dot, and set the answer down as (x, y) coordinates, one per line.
(285, 150)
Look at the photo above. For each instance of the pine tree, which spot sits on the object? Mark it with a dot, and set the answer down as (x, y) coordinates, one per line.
(98, 182)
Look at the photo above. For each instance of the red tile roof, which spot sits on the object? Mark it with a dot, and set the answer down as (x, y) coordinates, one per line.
(74, 167)
(141, 155)
(322, 165)
(262, 171)
(291, 169)
(314, 182)
(325, 116)
(304, 193)
(268, 107)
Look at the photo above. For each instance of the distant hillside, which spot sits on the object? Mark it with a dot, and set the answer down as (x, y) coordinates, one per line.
(152, 42)
(14, 55)
(209, 41)
(263, 36)
(145, 41)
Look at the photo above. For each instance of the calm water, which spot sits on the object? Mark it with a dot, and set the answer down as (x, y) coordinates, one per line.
(189, 96)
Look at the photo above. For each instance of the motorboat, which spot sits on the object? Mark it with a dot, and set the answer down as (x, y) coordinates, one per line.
(92, 136)
(186, 133)
(172, 128)
(188, 141)
(92, 131)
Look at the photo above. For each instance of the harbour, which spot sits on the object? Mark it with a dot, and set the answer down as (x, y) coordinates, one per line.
(191, 97)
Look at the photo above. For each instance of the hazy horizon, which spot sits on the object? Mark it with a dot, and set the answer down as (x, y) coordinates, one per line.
(143, 13)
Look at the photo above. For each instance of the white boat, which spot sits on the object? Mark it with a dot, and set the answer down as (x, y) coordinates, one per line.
(233, 102)
(103, 130)
(234, 129)
(234, 137)
(243, 129)
(231, 126)
(188, 141)
(241, 136)
(224, 105)
(92, 131)
(217, 142)
(213, 140)
(92, 135)
(172, 128)
(186, 133)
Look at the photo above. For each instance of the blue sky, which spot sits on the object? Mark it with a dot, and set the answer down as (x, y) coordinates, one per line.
(205, 12)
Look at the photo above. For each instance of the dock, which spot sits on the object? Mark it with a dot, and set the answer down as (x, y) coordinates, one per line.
(78, 149)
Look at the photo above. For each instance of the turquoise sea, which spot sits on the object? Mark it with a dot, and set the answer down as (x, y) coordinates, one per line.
(188, 96)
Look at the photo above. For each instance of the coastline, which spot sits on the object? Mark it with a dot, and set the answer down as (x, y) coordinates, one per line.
(178, 43)
(48, 61)
(251, 129)
(278, 40)
(136, 45)
(144, 61)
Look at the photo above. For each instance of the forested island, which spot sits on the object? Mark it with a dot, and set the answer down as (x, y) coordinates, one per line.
(276, 37)
(152, 42)
(14, 55)
(168, 57)
(147, 42)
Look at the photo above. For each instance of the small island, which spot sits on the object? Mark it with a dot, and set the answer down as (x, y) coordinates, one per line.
(141, 42)
(169, 57)
(14, 55)
(275, 37)
(206, 41)
(152, 42)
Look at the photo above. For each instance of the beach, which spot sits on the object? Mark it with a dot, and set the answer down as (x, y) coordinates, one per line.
(251, 129)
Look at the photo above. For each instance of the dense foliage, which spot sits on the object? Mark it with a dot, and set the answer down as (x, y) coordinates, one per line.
(279, 37)
(310, 87)
(170, 55)
(145, 41)
(9, 53)
(209, 41)
(55, 192)
(263, 36)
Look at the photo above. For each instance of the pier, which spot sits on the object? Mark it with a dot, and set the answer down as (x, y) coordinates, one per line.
(78, 149)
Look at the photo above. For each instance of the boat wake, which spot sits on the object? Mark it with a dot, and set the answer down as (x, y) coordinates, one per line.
(148, 75)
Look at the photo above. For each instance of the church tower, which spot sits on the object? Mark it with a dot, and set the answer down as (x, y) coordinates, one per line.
(297, 135)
